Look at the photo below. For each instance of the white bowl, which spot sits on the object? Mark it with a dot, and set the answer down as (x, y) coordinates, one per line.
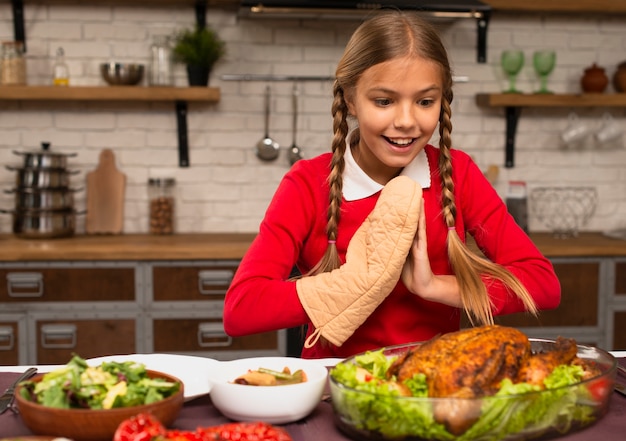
(271, 404)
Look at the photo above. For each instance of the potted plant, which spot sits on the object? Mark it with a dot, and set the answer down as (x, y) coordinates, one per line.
(199, 49)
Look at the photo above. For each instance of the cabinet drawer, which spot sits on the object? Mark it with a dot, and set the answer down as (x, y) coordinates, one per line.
(10, 338)
(619, 330)
(67, 285)
(58, 339)
(192, 283)
(206, 335)
(579, 299)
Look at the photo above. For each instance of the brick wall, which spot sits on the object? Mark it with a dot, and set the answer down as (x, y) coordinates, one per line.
(226, 188)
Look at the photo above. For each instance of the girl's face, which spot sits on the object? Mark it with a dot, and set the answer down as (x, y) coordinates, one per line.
(397, 105)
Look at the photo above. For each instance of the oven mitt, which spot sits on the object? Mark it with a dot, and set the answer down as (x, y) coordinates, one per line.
(339, 301)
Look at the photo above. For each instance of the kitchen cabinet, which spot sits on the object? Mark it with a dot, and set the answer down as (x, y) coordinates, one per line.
(98, 308)
(514, 102)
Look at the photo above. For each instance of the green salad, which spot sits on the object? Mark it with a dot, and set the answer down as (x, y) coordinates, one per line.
(110, 385)
(370, 404)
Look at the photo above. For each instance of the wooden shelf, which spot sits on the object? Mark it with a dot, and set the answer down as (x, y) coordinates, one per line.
(109, 93)
(514, 102)
(551, 100)
(575, 6)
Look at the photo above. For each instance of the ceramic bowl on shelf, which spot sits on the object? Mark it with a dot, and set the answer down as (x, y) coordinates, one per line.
(90, 424)
(277, 404)
(122, 74)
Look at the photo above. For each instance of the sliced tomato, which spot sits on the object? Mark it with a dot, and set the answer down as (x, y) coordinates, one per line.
(599, 389)
(142, 427)
(257, 431)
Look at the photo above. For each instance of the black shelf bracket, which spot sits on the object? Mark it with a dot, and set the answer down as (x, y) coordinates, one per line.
(512, 116)
(18, 21)
(183, 143)
(481, 36)
(201, 6)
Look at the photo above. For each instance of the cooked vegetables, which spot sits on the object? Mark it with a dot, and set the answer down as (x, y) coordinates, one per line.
(269, 377)
(110, 385)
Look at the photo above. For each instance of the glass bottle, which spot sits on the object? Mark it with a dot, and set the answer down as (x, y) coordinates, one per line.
(61, 73)
(13, 71)
(162, 208)
(161, 61)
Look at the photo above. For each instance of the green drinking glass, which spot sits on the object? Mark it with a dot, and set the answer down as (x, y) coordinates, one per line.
(512, 62)
(544, 62)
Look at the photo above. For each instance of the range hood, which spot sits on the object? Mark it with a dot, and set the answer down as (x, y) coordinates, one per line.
(360, 9)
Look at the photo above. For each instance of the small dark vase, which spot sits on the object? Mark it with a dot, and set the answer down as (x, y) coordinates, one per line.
(594, 80)
(198, 75)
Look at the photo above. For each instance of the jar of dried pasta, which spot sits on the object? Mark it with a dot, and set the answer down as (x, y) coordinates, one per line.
(13, 68)
(161, 193)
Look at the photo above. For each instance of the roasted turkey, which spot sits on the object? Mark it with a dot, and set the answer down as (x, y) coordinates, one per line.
(471, 363)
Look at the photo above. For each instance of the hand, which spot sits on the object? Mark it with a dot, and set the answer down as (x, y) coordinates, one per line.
(418, 277)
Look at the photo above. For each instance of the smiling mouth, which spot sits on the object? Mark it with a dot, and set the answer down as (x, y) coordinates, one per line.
(400, 142)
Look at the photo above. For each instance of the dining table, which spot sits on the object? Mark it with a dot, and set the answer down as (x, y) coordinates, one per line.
(320, 424)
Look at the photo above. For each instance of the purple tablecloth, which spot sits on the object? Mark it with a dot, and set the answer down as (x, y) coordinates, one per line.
(319, 425)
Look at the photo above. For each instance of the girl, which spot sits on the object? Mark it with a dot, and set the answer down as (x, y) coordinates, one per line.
(394, 84)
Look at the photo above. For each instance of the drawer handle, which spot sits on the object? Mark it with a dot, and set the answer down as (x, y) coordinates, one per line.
(58, 336)
(7, 340)
(214, 281)
(25, 284)
(212, 335)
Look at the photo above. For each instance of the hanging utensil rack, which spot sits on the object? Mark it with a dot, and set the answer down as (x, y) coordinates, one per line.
(269, 77)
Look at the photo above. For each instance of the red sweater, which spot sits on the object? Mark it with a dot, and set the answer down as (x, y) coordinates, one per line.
(261, 298)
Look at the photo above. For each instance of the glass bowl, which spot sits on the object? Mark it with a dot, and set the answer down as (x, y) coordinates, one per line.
(545, 414)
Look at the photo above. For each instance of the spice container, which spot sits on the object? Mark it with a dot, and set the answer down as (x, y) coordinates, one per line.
(13, 71)
(61, 73)
(162, 209)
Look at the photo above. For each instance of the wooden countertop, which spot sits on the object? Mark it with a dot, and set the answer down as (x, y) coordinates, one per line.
(229, 246)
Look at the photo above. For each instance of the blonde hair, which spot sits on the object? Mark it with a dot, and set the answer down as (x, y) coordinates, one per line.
(386, 36)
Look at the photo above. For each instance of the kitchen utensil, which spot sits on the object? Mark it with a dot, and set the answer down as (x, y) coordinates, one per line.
(122, 74)
(43, 224)
(44, 158)
(620, 388)
(43, 198)
(267, 149)
(106, 186)
(564, 210)
(295, 153)
(41, 177)
(6, 399)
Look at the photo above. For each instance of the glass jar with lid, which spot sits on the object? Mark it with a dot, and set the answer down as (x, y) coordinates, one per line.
(161, 68)
(161, 193)
(13, 69)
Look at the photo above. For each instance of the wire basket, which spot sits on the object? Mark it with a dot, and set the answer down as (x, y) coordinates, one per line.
(564, 210)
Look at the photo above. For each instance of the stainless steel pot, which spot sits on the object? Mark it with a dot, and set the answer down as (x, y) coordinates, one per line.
(43, 224)
(43, 198)
(44, 158)
(42, 177)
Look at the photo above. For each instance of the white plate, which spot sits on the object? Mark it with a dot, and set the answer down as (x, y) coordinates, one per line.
(192, 371)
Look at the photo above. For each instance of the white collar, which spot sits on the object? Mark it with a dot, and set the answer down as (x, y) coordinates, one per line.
(358, 185)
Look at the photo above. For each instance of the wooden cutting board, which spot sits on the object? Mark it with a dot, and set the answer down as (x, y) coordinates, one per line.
(106, 186)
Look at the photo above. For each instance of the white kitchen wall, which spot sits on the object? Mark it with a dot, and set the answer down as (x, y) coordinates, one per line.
(226, 188)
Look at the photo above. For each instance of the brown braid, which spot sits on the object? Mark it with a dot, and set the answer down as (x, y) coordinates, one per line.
(339, 110)
(467, 266)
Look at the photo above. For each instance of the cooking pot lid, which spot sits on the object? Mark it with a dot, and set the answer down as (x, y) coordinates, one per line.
(45, 151)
